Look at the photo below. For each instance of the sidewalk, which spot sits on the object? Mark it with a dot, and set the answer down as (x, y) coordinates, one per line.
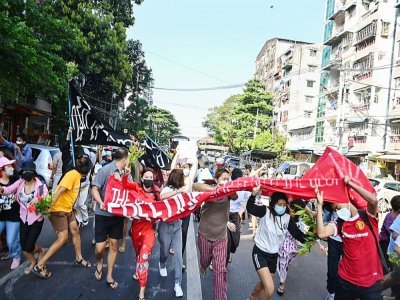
(71, 282)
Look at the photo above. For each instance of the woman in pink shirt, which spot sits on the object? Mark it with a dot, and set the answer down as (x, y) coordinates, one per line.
(27, 189)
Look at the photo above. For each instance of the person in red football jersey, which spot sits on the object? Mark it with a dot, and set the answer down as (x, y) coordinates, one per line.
(360, 270)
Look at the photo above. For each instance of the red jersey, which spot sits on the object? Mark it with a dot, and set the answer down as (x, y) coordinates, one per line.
(360, 264)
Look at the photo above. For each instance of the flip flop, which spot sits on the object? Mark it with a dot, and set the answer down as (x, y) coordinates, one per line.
(98, 274)
(112, 284)
(280, 291)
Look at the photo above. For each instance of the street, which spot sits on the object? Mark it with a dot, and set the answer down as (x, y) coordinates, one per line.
(71, 282)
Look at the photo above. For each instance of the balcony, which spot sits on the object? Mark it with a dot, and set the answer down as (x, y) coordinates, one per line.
(335, 38)
(366, 33)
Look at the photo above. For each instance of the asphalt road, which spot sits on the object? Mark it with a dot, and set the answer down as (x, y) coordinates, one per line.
(71, 282)
(306, 278)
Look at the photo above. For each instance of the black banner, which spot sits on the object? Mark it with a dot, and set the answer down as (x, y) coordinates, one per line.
(155, 156)
(88, 128)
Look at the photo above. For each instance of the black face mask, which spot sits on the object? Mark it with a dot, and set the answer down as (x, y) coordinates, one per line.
(28, 176)
(148, 183)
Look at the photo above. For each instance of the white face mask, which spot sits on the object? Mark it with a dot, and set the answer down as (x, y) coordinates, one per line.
(186, 172)
(10, 172)
(344, 213)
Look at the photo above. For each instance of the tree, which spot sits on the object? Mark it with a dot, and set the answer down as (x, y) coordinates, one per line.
(135, 117)
(161, 125)
(273, 142)
(31, 52)
(235, 122)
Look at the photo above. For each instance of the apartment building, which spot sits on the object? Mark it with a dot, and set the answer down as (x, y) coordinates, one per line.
(357, 72)
(290, 70)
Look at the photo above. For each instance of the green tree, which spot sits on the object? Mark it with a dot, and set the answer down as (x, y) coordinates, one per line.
(32, 63)
(161, 125)
(239, 117)
(273, 142)
(135, 117)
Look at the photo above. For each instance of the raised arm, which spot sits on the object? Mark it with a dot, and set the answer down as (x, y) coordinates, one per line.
(372, 206)
(252, 208)
(329, 229)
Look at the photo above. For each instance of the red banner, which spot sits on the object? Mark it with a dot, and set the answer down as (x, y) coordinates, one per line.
(327, 174)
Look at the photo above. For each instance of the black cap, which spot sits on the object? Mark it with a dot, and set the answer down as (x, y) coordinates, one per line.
(28, 165)
(79, 151)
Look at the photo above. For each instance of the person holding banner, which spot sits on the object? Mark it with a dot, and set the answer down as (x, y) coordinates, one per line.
(360, 269)
(212, 237)
(107, 225)
(142, 232)
(275, 222)
(170, 233)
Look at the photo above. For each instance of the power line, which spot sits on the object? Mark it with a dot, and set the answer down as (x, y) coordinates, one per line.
(232, 86)
(187, 67)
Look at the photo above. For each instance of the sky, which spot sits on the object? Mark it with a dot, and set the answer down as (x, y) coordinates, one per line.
(211, 43)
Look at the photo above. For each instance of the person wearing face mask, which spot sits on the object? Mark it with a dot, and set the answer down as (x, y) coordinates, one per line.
(26, 191)
(142, 231)
(360, 269)
(275, 222)
(9, 212)
(170, 233)
(107, 224)
(22, 152)
(212, 235)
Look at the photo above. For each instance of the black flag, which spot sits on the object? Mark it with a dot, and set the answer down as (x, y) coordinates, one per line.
(155, 156)
(88, 128)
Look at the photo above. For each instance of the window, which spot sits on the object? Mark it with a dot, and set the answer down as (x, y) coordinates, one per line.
(312, 68)
(310, 83)
(319, 133)
(397, 82)
(313, 52)
(309, 99)
(307, 114)
(385, 29)
(376, 98)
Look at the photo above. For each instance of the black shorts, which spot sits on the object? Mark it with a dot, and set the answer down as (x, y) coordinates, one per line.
(263, 259)
(108, 227)
(29, 234)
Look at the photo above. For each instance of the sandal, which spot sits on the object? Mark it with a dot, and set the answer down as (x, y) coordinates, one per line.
(82, 263)
(135, 276)
(98, 274)
(112, 284)
(5, 256)
(281, 290)
(39, 271)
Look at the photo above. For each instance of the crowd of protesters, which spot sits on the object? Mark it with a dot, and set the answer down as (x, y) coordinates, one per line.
(357, 254)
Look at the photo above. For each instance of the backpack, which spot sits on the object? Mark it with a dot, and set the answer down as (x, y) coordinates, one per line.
(365, 218)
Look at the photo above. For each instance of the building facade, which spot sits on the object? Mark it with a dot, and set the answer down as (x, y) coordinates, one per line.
(356, 96)
(290, 71)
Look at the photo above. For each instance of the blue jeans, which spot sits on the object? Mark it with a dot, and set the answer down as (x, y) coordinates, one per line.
(12, 230)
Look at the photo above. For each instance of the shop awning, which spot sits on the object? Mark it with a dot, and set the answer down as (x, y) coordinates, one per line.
(391, 157)
(356, 120)
(355, 154)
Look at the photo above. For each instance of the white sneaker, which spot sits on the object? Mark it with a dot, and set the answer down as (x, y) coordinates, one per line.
(163, 271)
(330, 297)
(178, 290)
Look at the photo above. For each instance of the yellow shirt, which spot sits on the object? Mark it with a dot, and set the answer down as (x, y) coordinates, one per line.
(72, 182)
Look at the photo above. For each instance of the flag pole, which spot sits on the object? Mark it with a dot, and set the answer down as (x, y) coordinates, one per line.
(70, 124)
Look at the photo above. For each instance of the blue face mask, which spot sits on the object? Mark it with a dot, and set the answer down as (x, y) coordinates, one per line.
(280, 210)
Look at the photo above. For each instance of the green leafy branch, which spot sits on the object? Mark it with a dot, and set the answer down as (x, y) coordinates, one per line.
(394, 258)
(135, 152)
(310, 222)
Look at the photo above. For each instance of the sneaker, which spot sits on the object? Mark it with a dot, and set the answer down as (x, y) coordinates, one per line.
(163, 271)
(330, 297)
(15, 263)
(178, 290)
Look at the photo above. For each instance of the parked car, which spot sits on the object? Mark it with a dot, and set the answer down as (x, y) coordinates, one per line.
(293, 169)
(232, 161)
(43, 159)
(386, 189)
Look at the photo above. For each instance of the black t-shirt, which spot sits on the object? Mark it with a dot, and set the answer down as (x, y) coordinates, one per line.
(9, 209)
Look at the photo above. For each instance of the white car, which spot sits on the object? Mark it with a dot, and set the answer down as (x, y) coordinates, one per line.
(43, 159)
(386, 189)
(294, 169)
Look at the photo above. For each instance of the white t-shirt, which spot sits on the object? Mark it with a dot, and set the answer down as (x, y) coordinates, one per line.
(167, 189)
(270, 234)
(237, 205)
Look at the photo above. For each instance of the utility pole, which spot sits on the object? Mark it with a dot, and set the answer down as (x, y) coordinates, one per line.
(396, 15)
(344, 96)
